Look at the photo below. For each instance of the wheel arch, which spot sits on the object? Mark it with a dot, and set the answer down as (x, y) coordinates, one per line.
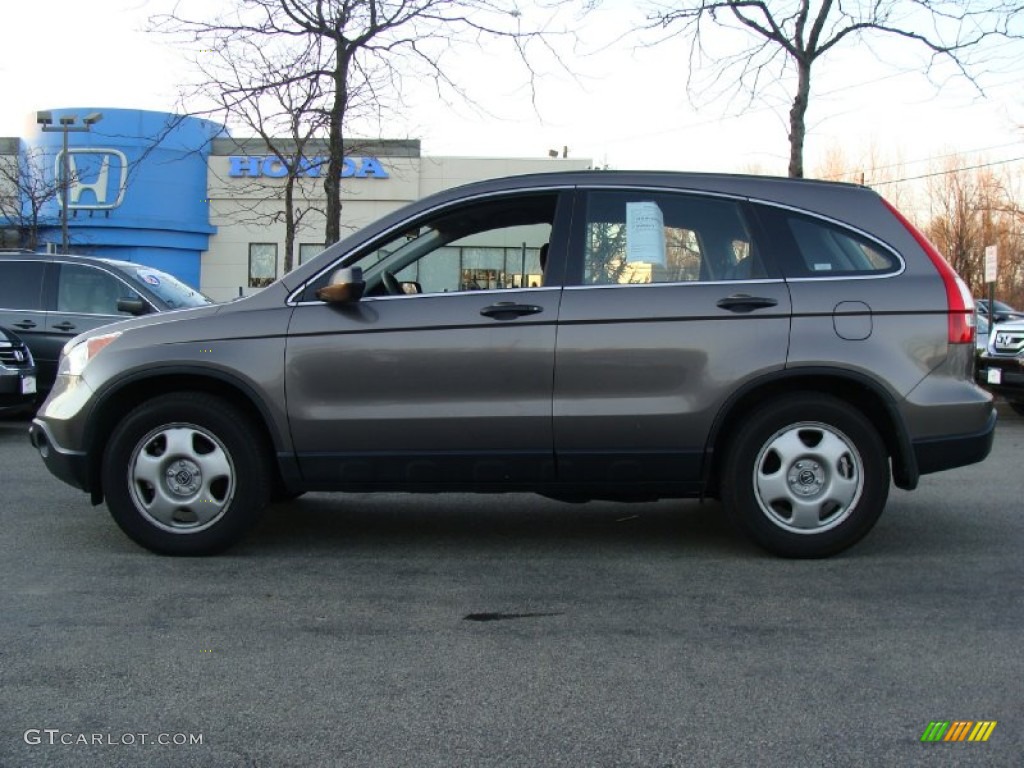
(132, 390)
(859, 391)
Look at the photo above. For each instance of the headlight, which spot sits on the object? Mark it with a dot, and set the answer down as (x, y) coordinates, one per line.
(77, 354)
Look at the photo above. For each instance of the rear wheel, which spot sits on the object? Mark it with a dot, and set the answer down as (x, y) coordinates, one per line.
(186, 474)
(806, 476)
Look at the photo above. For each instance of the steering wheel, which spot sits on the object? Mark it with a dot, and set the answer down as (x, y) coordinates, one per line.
(391, 284)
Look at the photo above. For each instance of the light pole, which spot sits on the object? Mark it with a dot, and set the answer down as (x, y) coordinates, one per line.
(67, 125)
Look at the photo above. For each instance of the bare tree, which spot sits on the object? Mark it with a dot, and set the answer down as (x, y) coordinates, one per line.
(343, 48)
(793, 35)
(873, 167)
(971, 209)
(251, 85)
(25, 190)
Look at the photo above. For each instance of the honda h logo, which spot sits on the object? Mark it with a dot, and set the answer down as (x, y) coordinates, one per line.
(98, 178)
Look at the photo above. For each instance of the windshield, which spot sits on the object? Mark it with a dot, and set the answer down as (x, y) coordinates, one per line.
(175, 293)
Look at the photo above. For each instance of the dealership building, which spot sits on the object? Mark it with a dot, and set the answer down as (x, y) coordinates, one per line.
(182, 195)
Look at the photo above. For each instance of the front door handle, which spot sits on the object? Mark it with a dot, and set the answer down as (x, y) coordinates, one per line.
(65, 326)
(742, 302)
(24, 324)
(507, 310)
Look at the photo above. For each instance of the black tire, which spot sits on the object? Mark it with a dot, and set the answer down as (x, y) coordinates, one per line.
(806, 476)
(1017, 406)
(186, 474)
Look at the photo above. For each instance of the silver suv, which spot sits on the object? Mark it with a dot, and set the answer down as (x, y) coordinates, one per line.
(785, 346)
(1001, 362)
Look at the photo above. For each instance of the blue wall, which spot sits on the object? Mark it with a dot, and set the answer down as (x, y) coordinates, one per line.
(152, 207)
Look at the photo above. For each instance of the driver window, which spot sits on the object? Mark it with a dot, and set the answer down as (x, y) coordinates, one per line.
(83, 289)
(492, 245)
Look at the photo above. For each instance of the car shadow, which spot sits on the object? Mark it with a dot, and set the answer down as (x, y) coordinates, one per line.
(332, 522)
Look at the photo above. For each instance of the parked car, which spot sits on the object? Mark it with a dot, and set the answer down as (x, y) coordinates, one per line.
(1002, 310)
(783, 345)
(17, 373)
(981, 328)
(50, 299)
(1000, 366)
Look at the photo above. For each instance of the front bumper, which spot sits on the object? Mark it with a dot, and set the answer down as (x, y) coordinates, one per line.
(1002, 375)
(17, 385)
(70, 466)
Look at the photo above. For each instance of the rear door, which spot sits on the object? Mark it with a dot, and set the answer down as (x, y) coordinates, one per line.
(671, 307)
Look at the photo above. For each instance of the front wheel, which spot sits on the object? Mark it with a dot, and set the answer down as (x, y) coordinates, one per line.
(186, 474)
(806, 476)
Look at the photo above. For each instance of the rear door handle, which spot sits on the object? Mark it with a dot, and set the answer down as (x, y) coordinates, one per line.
(24, 324)
(65, 326)
(742, 302)
(507, 310)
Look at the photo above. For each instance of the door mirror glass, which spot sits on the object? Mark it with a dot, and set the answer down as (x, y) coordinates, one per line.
(346, 286)
(132, 306)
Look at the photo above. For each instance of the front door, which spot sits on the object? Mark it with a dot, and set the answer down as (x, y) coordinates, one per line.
(442, 375)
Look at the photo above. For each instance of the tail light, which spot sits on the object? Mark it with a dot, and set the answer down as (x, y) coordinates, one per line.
(959, 302)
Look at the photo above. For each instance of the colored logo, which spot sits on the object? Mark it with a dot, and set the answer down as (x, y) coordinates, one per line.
(98, 178)
(270, 166)
(958, 730)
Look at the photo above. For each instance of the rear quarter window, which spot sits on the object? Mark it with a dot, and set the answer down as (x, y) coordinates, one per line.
(21, 284)
(810, 247)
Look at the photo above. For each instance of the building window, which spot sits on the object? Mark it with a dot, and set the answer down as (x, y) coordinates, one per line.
(308, 250)
(262, 264)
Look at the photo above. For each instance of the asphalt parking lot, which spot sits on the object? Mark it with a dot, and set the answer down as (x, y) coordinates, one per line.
(395, 630)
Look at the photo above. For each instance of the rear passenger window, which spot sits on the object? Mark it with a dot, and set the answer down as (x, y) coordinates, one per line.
(646, 237)
(21, 284)
(824, 250)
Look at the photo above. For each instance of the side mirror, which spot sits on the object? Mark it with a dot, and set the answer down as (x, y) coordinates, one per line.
(132, 306)
(410, 287)
(345, 286)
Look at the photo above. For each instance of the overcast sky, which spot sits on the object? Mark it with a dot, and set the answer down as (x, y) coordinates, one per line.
(626, 107)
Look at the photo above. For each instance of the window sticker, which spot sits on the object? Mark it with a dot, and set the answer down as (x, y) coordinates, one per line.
(645, 233)
(149, 277)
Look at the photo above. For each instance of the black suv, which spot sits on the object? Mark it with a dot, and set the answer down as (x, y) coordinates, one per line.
(17, 372)
(49, 299)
